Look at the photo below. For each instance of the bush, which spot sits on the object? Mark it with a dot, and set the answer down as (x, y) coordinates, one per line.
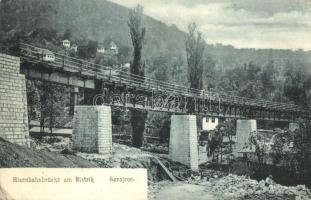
(293, 149)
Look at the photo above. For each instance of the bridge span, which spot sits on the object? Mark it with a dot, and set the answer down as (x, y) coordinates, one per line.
(92, 125)
(120, 88)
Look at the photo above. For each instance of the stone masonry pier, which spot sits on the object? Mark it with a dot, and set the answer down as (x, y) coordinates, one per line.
(183, 140)
(244, 130)
(92, 129)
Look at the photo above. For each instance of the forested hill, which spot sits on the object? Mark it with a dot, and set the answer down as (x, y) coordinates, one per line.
(93, 19)
(99, 19)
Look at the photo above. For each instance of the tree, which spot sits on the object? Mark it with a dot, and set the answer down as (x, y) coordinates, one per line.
(281, 150)
(137, 32)
(216, 142)
(25, 15)
(260, 147)
(40, 35)
(297, 84)
(228, 128)
(294, 149)
(124, 54)
(302, 147)
(209, 73)
(159, 67)
(268, 79)
(67, 34)
(106, 42)
(44, 91)
(92, 48)
(177, 72)
(87, 51)
(160, 121)
(33, 100)
(195, 45)
(107, 60)
(47, 102)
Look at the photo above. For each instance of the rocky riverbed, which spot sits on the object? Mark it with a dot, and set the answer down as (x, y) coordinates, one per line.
(241, 187)
(230, 187)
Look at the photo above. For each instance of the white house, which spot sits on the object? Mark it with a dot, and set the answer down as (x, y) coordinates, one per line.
(114, 47)
(48, 56)
(126, 67)
(74, 47)
(209, 123)
(101, 49)
(66, 43)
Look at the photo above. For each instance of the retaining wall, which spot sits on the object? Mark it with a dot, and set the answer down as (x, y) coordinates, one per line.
(13, 101)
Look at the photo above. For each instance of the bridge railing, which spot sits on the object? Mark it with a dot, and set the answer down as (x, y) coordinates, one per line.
(106, 72)
(75, 65)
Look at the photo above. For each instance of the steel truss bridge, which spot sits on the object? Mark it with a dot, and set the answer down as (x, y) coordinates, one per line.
(122, 89)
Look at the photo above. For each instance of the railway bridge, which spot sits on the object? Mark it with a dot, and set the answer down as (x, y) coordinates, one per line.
(112, 87)
(120, 88)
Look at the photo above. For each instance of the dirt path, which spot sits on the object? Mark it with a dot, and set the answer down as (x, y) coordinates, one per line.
(184, 191)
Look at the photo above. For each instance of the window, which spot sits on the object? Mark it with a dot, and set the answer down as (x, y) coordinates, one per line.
(213, 120)
(206, 119)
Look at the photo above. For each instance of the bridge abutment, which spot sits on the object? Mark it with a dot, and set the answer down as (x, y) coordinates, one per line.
(183, 140)
(13, 101)
(92, 129)
(244, 129)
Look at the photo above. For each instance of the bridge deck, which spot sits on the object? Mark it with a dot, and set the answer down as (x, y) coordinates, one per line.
(203, 100)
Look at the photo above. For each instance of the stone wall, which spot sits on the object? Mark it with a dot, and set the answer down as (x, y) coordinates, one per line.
(13, 101)
(92, 129)
(183, 140)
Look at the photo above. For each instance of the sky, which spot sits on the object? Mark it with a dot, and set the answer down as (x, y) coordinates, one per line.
(277, 24)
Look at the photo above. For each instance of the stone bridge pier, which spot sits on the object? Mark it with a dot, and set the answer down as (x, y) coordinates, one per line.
(92, 133)
(244, 130)
(92, 129)
(183, 145)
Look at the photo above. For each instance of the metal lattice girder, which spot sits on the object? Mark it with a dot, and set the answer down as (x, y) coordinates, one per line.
(129, 90)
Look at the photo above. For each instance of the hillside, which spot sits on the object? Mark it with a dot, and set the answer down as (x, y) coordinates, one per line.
(100, 19)
(13, 155)
(94, 19)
